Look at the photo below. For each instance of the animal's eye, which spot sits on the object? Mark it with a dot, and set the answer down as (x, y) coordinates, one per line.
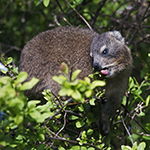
(105, 51)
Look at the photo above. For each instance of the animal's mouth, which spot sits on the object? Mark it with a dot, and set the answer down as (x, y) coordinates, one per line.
(104, 71)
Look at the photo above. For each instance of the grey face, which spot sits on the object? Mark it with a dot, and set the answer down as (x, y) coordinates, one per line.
(110, 54)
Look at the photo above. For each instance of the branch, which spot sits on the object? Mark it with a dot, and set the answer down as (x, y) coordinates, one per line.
(10, 48)
(5, 9)
(138, 25)
(97, 12)
(58, 111)
(80, 16)
(75, 142)
(133, 117)
(127, 129)
(142, 134)
(63, 125)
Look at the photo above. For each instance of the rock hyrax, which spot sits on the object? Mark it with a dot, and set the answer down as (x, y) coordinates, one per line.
(80, 49)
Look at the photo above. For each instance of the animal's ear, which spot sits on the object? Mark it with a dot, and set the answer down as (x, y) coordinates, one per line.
(118, 36)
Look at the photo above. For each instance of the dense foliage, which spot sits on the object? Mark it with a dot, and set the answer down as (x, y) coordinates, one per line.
(58, 124)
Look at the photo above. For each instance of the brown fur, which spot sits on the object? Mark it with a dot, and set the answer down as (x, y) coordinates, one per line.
(42, 56)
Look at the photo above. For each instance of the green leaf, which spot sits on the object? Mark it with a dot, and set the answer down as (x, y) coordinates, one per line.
(63, 92)
(35, 114)
(92, 101)
(147, 127)
(90, 132)
(74, 117)
(134, 147)
(75, 74)
(97, 83)
(36, 2)
(46, 115)
(81, 108)
(123, 147)
(18, 119)
(19, 103)
(61, 148)
(78, 2)
(91, 148)
(88, 93)
(30, 84)
(4, 80)
(87, 80)
(7, 91)
(147, 100)
(146, 137)
(15, 70)
(21, 77)
(141, 146)
(75, 83)
(41, 137)
(76, 95)
(31, 104)
(9, 60)
(80, 124)
(46, 2)
(44, 107)
(76, 147)
(59, 79)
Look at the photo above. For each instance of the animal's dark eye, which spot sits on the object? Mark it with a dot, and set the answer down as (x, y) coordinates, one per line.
(105, 51)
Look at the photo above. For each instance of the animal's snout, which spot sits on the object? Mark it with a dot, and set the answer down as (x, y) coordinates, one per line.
(97, 67)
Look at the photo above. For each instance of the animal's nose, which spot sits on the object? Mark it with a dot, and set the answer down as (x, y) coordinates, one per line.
(97, 67)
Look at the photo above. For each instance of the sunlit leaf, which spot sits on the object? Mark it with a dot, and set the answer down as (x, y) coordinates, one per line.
(30, 84)
(141, 146)
(36, 2)
(21, 77)
(92, 101)
(123, 147)
(88, 93)
(80, 124)
(42, 137)
(59, 79)
(76, 95)
(18, 119)
(90, 132)
(9, 60)
(75, 74)
(97, 83)
(46, 2)
(33, 103)
(147, 100)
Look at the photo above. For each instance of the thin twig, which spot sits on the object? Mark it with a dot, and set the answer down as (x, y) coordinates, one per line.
(59, 110)
(73, 113)
(80, 16)
(97, 12)
(62, 12)
(52, 132)
(75, 142)
(127, 130)
(132, 117)
(5, 9)
(63, 125)
(142, 134)
(143, 17)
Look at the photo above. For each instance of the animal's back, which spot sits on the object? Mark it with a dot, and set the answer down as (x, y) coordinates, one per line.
(42, 56)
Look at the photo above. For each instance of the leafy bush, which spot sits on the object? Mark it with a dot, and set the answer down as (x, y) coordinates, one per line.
(67, 124)
(69, 120)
